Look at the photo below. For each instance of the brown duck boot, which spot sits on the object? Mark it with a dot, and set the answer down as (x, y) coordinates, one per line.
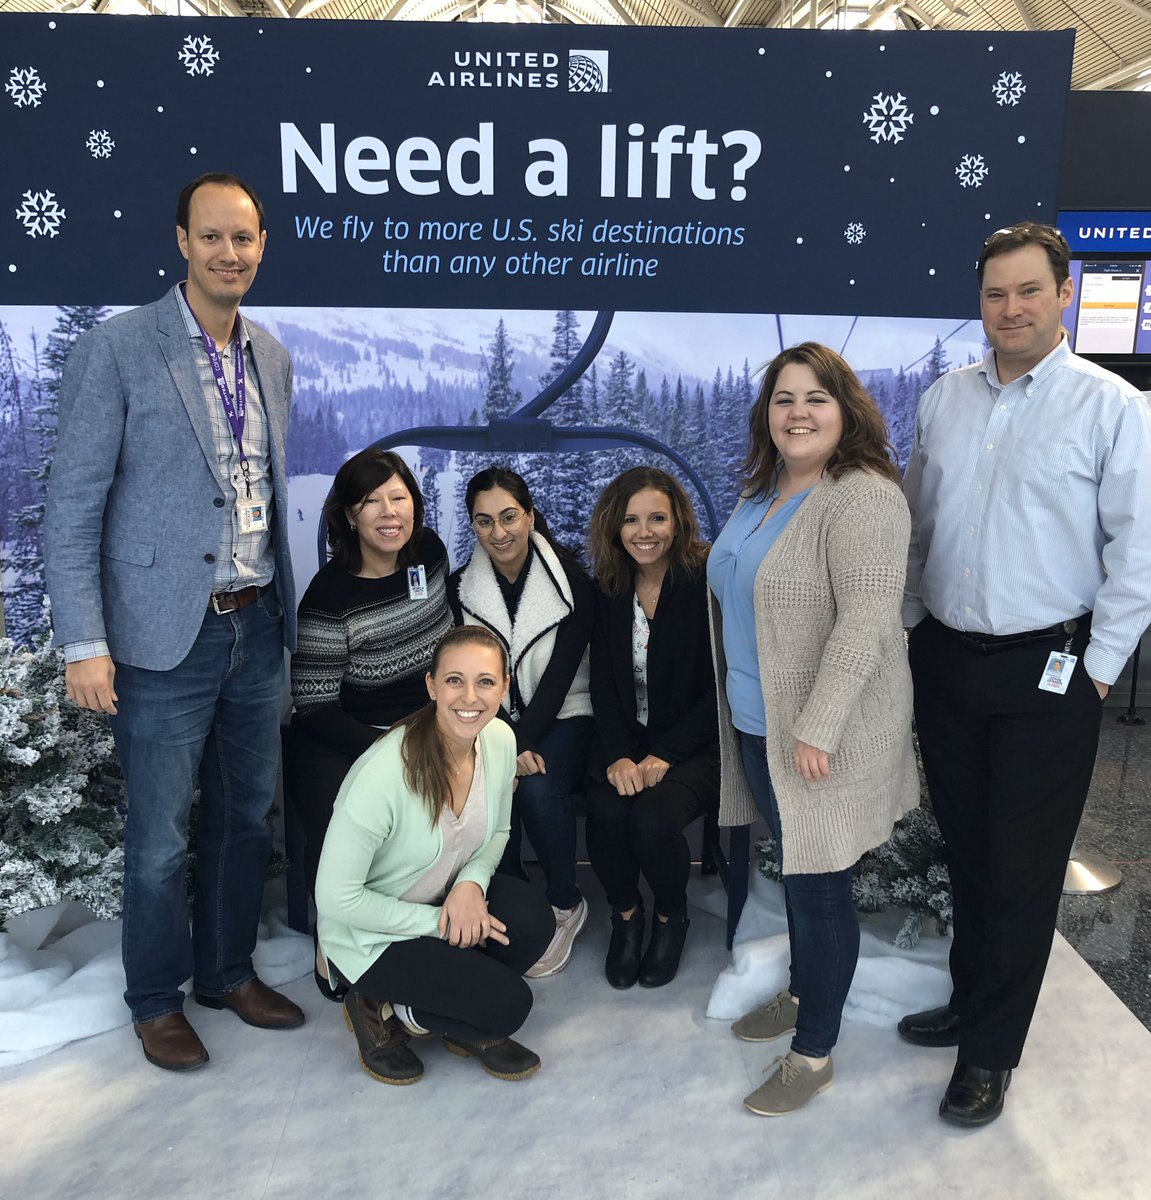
(383, 1041)
(500, 1057)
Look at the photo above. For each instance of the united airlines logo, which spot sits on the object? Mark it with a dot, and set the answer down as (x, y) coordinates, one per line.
(526, 69)
(587, 71)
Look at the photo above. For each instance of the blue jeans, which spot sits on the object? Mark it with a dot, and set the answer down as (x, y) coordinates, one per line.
(545, 807)
(822, 925)
(216, 716)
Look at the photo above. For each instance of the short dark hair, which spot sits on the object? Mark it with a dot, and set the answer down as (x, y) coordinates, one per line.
(355, 481)
(224, 178)
(613, 566)
(864, 444)
(1028, 233)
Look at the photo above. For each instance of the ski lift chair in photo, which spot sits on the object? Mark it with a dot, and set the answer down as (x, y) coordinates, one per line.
(526, 431)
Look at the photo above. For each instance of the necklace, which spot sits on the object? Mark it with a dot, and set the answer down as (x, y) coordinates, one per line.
(468, 754)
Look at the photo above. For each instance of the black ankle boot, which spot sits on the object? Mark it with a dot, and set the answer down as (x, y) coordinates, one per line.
(327, 989)
(661, 961)
(622, 964)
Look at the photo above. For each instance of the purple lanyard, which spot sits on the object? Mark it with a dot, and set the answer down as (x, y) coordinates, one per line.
(235, 409)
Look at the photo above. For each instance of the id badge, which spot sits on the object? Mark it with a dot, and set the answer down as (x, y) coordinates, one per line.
(417, 583)
(1057, 673)
(253, 518)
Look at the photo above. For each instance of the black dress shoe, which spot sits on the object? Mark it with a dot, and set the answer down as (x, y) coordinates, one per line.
(934, 1027)
(661, 961)
(623, 953)
(974, 1096)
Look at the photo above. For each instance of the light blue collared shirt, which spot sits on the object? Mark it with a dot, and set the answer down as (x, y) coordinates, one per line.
(1031, 504)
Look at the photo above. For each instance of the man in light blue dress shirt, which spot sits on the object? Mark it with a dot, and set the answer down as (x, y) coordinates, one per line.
(1028, 587)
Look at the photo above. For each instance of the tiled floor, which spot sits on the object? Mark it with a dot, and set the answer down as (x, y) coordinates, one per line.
(1113, 931)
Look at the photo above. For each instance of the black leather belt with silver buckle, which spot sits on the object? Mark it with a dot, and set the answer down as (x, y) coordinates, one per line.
(226, 602)
(988, 643)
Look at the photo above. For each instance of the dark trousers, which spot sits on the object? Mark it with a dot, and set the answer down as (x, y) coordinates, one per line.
(627, 835)
(1008, 767)
(313, 773)
(545, 806)
(473, 994)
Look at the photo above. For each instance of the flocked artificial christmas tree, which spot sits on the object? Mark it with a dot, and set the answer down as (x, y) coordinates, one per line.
(60, 789)
(906, 872)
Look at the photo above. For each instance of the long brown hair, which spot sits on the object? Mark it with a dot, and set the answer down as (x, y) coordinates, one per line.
(864, 445)
(613, 566)
(424, 753)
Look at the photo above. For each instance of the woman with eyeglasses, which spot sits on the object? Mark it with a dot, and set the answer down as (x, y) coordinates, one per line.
(537, 597)
(368, 624)
(655, 714)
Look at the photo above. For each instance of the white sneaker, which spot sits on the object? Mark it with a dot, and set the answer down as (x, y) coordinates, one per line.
(569, 925)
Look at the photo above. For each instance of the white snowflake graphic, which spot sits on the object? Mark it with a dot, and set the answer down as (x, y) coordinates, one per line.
(1009, 88)
(888, 118)
(40, 214)
(198, 55)
(855, 233)
(100, 143)
(972, 170)
(25, 87)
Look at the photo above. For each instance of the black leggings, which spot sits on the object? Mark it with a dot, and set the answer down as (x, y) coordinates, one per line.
(630, 834)
(472, 994)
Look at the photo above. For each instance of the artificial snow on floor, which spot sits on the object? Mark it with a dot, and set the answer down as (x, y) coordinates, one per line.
(639, 1097)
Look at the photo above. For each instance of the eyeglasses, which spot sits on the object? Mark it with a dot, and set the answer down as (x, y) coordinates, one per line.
(508, 518)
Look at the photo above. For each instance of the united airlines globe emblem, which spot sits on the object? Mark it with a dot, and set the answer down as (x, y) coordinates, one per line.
(583, 74)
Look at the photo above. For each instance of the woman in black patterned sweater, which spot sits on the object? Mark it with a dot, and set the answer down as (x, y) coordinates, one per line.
(368, 624)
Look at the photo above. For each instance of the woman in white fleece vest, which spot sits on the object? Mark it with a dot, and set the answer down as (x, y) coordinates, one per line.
(537, 598)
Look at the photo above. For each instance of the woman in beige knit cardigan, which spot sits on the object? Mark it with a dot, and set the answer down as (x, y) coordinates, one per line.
(814, 688)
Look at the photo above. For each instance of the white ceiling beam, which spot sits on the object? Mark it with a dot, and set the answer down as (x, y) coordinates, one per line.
(1136, 10)
(1026, 15)
(878, 13)
(1122, 74)
(917, 13)
(735, 14)
(702, 11)
(785, 17)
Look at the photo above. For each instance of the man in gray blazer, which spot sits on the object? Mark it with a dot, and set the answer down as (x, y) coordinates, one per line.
(166, 560)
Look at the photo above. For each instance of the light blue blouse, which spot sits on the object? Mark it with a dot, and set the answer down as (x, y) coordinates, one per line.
(732, 565)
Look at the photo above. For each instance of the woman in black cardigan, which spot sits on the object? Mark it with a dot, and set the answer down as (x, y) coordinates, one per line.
(653, 693)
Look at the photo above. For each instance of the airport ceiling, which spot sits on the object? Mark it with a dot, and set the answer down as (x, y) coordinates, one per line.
(1112, 44)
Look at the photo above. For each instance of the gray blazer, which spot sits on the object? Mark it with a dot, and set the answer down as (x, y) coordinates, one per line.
(134, 510)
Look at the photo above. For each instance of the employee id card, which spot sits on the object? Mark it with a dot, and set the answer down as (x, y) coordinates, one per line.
(253, 517)
(417, 583)
(1057, 673)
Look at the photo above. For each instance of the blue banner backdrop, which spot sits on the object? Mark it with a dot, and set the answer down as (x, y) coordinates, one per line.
(481, 166)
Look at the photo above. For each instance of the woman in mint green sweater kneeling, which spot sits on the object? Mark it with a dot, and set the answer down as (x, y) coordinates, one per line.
(411, 915)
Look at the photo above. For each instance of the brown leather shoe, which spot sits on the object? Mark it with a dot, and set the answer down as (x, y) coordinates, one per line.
(170, 1042)
(256, 1004)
